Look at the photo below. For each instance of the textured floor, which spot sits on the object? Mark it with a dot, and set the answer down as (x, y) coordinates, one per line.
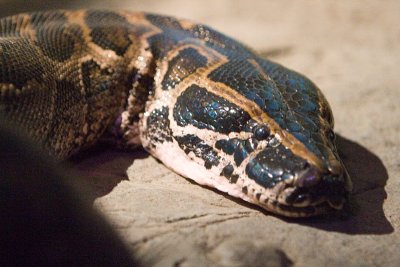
(350, 50)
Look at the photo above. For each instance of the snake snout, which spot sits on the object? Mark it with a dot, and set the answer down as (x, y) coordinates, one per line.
(331, 190)
(321, 191)
(336, 189)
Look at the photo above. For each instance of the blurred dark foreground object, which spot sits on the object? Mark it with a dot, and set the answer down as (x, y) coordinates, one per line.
(43, 219)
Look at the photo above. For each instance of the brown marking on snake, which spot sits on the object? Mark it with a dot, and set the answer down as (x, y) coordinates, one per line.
(256, 113)
(94, 83)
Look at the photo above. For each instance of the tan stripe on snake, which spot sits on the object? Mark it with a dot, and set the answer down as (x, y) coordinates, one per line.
(207, 106)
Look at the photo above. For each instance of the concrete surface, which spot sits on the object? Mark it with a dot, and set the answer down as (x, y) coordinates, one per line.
(350, 49)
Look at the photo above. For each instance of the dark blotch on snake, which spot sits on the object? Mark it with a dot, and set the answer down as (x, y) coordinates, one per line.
(192, 143)
(57, 40)
(272, 165)
(158, 126)
(164, 22)
(19, 62)
(236, 147)
(181, 66)
(95, 80)
(220, 42)
(234, 179)
(227, 170)
(54, 35)
(244, 189)
(204, 110)
(169, 38)
(109, 30)
(39, 19)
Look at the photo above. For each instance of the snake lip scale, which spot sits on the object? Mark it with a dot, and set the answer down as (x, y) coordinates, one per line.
(204, 104)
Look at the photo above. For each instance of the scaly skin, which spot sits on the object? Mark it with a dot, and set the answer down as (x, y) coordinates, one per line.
(205, 105)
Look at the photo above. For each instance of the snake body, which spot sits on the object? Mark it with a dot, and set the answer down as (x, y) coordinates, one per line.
(205, 105)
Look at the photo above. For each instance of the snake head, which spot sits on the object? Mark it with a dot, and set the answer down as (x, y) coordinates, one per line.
(290, 167)
(246, 126)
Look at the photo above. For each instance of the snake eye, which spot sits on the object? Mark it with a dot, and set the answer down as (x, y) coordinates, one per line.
(261, 132)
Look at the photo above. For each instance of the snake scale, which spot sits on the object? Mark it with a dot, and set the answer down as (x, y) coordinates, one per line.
(204, 104)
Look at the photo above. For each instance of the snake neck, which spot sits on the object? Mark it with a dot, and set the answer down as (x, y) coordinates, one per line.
(124, 132)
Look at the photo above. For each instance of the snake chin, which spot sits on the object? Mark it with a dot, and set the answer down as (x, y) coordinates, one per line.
(303, 212)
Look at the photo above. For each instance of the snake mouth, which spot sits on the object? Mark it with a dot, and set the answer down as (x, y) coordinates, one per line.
(297, 203)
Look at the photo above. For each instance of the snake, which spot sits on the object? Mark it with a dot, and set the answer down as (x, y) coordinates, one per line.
(205, 105)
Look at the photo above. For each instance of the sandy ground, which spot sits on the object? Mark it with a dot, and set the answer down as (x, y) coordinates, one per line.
(350, 50)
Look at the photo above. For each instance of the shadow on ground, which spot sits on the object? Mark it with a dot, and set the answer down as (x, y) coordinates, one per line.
(102, 167)
(45, 219)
